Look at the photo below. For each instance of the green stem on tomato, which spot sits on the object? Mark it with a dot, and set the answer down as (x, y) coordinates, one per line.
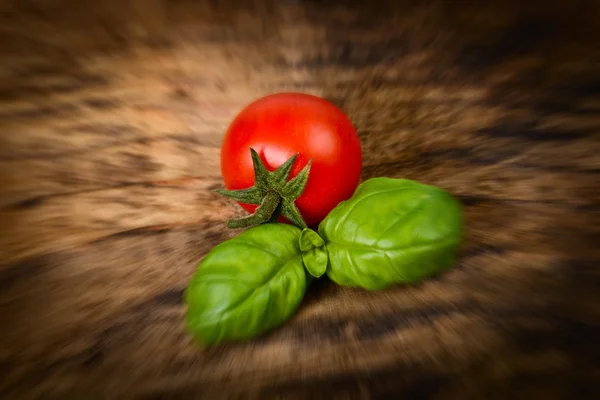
(263, 213)
(272, 192)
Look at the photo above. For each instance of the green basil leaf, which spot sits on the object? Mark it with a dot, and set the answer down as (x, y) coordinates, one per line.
(314, 252)
(247, 285)
(391, 231)
(310, 239)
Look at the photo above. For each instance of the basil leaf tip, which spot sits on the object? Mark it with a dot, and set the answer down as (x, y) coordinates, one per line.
(314, 252)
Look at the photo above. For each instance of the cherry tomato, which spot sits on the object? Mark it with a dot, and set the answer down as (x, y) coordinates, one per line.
(280, 125)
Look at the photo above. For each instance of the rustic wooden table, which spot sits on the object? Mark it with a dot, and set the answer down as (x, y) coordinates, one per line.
(111, 117)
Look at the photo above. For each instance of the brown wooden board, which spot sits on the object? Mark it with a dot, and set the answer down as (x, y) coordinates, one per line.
(111, 118)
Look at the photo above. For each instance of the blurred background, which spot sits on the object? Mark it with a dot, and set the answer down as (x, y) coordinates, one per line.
(111, 119)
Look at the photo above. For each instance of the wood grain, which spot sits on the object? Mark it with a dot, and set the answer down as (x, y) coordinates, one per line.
(111, 119)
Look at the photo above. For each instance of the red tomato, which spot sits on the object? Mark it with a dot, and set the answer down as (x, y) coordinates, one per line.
(281, 125)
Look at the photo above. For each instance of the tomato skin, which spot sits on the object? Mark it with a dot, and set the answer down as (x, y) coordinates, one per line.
(280, 125)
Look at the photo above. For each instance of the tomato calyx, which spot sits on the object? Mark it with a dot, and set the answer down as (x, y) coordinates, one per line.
(272, 192)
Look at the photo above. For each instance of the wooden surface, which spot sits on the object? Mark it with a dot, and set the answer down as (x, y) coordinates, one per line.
(111, 116)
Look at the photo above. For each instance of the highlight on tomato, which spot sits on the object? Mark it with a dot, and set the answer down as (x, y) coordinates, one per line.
(290, 157)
